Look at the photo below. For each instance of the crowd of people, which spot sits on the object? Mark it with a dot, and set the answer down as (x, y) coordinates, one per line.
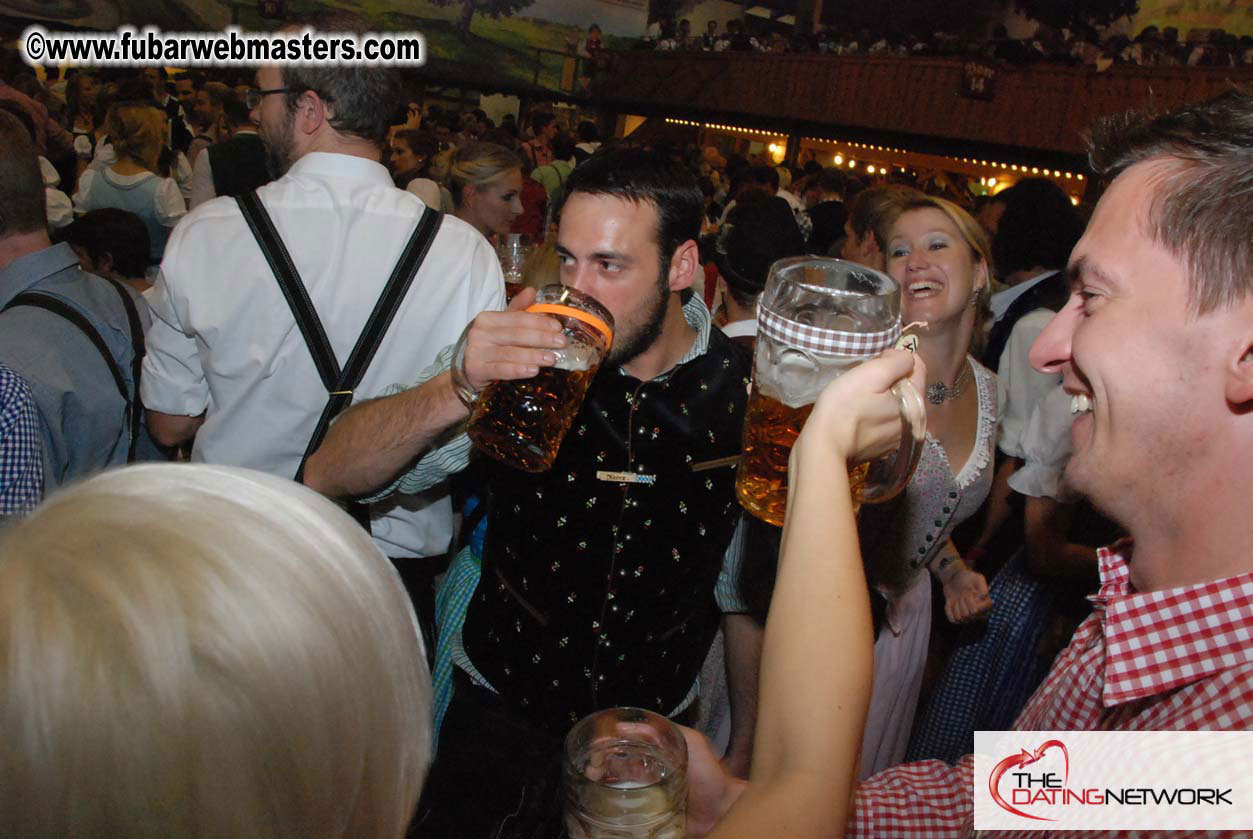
(293, 279)
(1152, 47)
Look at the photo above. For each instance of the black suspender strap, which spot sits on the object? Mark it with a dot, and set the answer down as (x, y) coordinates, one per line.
(137, 361)
(57, 306)
(288, 277)
(339, 384)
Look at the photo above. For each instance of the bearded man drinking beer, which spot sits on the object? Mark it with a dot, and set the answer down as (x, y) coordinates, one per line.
(598, 576)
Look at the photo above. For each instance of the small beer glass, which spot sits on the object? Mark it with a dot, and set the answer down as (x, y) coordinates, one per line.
(513, 250)
(625, 777)
(818, 318)
(523, 421)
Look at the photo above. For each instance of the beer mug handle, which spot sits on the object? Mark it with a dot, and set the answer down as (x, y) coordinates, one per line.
(890, 474)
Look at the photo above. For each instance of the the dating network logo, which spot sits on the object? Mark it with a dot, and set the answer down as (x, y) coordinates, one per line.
(1033, 785)
(1113, 780)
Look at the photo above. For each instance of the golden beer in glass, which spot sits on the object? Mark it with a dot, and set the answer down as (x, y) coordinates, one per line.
(522, 422)
(817, 319)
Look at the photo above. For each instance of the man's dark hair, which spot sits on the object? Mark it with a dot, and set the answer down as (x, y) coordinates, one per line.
(501, 137)
(236, 110)
(642, 176)
(1202, 209)
(587, 131)
(197, 79)
(400, 114)
(20, 114)
(121, 235)
(763, 176)
(830, 181)
(362, 98)
(562, 146)
(760, 230)
(540, 121)
(133, 87)
(1039, 228)
(874, 210)
(22, 201)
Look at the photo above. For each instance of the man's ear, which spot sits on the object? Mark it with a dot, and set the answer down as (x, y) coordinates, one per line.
(871, 253)
(1239, 374)
(104, 265)
(684, 265)
(312, 112)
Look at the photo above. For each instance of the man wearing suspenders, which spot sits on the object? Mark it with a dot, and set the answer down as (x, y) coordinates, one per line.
(73, 338)
(275, 311)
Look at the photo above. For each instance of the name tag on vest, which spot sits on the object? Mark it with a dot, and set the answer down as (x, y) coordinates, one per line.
(625, 477)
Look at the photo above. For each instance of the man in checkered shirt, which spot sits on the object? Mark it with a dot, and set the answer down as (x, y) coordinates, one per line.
(1155, 346)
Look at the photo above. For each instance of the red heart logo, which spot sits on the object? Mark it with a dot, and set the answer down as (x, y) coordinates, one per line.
(1024, 758)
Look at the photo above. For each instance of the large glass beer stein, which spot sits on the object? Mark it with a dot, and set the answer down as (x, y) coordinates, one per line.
(522, 422)
(624, 776)
(817, 318)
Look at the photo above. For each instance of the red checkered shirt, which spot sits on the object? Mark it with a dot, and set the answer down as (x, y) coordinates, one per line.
(1142, 661)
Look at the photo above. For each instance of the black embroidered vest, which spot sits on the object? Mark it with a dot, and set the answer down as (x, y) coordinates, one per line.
(598, 593)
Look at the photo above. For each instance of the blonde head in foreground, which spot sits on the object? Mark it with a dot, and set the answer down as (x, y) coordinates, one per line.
(193, 651)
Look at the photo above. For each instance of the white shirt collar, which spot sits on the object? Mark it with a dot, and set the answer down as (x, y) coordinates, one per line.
(341, 165)
(740, 328)
(1000, 302)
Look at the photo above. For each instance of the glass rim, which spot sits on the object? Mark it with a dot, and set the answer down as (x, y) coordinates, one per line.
(567, 296)
(831, 264)
(637, 715)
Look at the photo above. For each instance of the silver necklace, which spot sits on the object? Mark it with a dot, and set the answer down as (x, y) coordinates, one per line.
(938, 393)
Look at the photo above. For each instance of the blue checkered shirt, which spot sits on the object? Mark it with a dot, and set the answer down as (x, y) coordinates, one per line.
(21, 452)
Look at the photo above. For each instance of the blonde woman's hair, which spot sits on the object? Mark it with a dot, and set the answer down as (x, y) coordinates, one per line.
(205, 651)
(440, 166)
(137, 132)
(477, 163)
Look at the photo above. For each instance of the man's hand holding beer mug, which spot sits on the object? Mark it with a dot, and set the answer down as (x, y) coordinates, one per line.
(524, 372)
(813, 698)
(512, 344)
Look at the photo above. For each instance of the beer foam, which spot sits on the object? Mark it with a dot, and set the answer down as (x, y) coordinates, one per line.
(575, 357)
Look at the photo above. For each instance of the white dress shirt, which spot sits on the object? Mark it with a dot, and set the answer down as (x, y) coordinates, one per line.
(1021, 386)
(201, 182)
(60, 210)
(223, 339)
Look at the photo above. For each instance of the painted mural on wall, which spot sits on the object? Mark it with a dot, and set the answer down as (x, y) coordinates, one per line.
(510, 43)
(1235, 16)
